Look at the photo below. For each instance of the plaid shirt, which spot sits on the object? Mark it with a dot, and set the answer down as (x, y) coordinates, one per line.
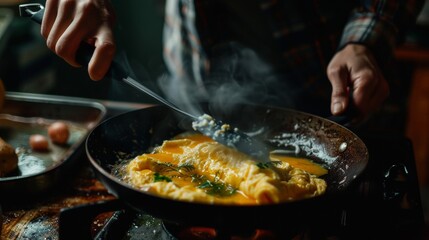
(296, 39)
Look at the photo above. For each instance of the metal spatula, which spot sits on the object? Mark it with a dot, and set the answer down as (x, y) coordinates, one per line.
(205, 124)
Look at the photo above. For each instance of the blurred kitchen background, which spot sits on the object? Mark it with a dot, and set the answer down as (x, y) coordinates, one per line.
(27, 65)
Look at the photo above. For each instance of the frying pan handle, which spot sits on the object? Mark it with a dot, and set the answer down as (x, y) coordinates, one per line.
(346, 119)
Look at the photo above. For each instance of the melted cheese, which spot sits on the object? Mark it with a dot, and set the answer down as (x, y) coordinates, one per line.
(196, 168)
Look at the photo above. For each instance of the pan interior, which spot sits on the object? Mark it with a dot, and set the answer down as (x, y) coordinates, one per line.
(123, 137)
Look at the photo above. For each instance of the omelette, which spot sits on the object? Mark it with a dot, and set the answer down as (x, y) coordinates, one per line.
(193, 167)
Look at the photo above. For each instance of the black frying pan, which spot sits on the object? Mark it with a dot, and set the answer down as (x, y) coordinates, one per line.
(133, 133)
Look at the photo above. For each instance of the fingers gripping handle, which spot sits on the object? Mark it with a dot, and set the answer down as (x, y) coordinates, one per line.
(35, 12)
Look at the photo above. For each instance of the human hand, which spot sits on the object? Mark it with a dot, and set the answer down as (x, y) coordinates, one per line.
(68, 23)
(355, 69)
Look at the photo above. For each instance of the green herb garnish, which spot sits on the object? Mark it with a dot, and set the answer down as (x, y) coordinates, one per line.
(161, 178)
(269, 164)
(215, 188)
(169, 167)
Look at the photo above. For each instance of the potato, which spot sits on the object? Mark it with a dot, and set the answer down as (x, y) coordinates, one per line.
(8, 158)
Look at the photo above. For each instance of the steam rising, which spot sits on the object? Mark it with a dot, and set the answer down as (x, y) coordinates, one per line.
(237, 75)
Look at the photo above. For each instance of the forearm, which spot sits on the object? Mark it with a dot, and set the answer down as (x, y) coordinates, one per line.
(380, 24)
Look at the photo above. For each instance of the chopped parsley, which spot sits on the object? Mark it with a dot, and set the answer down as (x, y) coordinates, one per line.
(169, 167)
(214, 188)
(217, 188)
(160, 178)
(269, 164)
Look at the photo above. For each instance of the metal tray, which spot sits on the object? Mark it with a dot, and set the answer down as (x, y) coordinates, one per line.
(24, 114)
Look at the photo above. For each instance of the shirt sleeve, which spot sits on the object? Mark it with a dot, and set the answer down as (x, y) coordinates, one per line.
(380, 24)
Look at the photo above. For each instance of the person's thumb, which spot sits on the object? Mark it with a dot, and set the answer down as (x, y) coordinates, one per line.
(340, 90)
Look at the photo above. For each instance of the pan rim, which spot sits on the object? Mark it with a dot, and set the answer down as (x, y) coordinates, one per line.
(100, 169)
